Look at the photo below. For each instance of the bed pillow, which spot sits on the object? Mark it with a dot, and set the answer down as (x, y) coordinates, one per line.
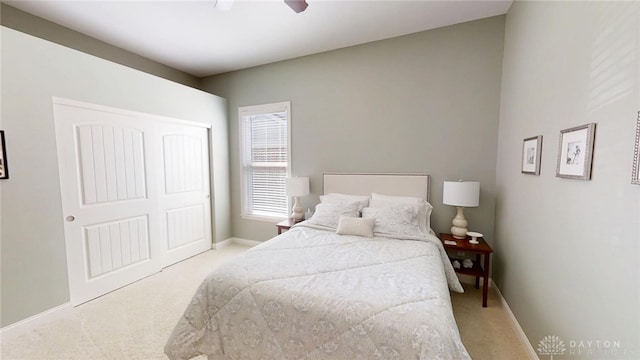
(328, 214)
(332, 198)
(355, 226)
(425, 209)
(397, 220)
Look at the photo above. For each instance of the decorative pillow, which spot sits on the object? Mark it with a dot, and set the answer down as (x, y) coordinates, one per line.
(329, 214)
(397, 220)
(425, 209)
(355, 226)
(332, 198)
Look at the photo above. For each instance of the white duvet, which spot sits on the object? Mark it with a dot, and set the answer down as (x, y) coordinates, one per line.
(312, 294)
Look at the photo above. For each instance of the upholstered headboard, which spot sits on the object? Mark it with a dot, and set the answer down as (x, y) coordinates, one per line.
(388, 184)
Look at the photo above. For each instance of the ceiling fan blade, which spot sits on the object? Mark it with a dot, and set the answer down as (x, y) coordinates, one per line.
(224, 5)
(297, 5)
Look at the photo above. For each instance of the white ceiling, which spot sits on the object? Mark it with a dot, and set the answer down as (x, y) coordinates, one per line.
(200, 39)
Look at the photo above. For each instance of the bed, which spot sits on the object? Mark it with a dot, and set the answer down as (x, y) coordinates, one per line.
(361, 279)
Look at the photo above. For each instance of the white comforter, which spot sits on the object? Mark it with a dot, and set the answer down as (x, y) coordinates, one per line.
(312, 294)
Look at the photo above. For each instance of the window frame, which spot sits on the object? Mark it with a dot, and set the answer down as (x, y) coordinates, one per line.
(243, 111)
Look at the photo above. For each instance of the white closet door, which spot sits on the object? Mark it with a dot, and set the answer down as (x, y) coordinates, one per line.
(118, 214)
(184, 201)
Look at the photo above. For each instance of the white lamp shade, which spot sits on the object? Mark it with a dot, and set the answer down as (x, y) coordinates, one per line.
(298, 186)
(461, 193)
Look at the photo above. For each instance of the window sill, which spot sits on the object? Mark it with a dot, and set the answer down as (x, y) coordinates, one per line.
(265, 218)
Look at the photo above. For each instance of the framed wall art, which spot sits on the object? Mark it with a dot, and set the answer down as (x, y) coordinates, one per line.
(635, 175)
(575, 154)
(4, 170)
(531, 152)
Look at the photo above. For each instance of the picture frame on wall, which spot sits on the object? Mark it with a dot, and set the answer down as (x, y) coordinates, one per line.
(635, 175)
(575, 154)
(531, 155)
(4, 169)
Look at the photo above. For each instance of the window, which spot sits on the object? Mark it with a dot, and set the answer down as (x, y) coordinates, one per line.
(265, 155)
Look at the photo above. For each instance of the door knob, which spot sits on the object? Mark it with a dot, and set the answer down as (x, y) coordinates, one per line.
(70, 218)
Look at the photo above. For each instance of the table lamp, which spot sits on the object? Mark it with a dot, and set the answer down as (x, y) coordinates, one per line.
(460, 194)
(296, 187)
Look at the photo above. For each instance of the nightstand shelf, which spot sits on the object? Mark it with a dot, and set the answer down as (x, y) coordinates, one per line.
(479, 270)
(475, 270)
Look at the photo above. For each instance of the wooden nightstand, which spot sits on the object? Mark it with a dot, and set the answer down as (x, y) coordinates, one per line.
(481, 249)
(286, 224)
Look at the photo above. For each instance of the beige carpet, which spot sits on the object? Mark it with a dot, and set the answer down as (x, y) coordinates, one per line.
(135, 321)
(487, 332)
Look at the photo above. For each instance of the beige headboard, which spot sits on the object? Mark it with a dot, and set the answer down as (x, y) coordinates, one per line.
(388, 184)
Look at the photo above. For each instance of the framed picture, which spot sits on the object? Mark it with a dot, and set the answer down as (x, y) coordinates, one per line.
(576, 152)
(635, 176)
(4, 170)
(531, 152)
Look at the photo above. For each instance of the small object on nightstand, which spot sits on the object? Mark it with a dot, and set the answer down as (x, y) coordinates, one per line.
(467, 264)
(474, 237)
(456, 264)
(450, 242)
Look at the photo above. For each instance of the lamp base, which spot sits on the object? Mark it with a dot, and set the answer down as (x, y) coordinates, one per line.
(458, 232)
(297, 212)
(459, 225)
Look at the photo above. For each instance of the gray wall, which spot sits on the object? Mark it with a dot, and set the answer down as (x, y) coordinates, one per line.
(33, 25)
(568, 251)
(426, 102)
(33, 259)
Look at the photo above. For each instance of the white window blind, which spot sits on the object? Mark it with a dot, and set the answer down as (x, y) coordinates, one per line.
(264, 143)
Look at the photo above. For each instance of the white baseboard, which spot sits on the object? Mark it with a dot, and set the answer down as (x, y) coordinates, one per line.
(239, 241)
(35, 320)
(221, 244)
(246, 242)
(514, 322)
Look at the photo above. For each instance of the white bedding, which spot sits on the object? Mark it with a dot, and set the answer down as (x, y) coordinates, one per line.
(312, 294)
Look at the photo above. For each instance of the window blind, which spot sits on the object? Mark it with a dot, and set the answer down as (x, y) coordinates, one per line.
(265, 148)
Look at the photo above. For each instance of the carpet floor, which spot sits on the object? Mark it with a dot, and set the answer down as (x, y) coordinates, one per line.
(135, 321)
